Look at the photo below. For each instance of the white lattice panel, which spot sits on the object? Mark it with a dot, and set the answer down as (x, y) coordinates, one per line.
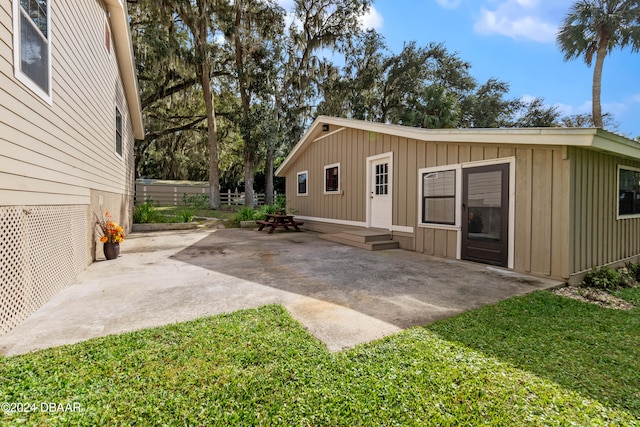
(42, 249)
(13, 267)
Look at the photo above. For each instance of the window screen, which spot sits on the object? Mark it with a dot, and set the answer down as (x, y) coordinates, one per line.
(438, 197)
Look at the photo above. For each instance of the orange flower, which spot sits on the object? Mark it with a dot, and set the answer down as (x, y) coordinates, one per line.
(111, 230)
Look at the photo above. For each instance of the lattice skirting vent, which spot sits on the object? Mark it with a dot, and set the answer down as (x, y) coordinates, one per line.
(42, 249)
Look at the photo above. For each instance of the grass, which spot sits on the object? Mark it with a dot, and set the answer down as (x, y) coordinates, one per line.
(592, 350)
(225, 213)
(507, 364)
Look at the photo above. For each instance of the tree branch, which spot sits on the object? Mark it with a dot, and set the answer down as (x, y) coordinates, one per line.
(155, 135)
(166, 91)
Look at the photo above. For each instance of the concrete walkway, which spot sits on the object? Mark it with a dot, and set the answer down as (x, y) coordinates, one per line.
(343, 295)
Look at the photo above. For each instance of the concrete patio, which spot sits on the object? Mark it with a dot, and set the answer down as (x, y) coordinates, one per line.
(343, 295)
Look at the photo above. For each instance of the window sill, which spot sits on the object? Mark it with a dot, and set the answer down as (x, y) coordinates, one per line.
(630, 216)
(440, 226)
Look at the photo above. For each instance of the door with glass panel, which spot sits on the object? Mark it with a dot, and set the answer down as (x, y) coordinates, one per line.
(380, 197)
(485, 214)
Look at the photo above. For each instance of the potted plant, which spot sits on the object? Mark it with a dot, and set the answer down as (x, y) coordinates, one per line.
(280, 205)
(112, 235)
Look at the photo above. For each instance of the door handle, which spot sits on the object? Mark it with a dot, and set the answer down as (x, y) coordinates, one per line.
(464, 207)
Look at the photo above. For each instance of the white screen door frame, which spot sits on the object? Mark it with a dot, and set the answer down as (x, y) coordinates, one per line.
(379, 190)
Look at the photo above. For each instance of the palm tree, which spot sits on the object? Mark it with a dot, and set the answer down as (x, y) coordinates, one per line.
(597, 27)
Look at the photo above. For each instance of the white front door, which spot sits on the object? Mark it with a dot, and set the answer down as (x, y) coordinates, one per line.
(380, 192)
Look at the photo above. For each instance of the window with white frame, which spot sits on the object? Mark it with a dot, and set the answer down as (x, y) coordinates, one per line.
(302, 183)
(118, 132)
(332, 178)
(439, 197)
(628, 191)
(32, 45)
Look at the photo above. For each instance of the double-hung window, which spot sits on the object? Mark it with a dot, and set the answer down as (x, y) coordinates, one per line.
(32, 45)
(302, 183)
(439, 197)
(332, 178)
(628, 191)
(118, 132)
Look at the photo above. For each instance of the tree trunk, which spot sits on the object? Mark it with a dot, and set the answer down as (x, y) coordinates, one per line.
(596, 108)
(198, 19)
(249, 151)
(268, 174)
(200, 39)
(214, 172)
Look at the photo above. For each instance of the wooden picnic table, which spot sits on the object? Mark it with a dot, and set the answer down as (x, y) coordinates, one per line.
(274, 221)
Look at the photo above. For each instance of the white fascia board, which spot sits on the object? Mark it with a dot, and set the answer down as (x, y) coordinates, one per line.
(576, 137)
(119, 22)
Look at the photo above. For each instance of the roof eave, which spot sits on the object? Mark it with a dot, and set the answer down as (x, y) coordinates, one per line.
(126, 63)
(578, 137)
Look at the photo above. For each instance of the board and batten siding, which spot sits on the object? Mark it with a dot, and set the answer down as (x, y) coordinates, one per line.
(56, 154)
(598, 237)
(541, 240)
(542, 211)
(351, 148)
(346, 147)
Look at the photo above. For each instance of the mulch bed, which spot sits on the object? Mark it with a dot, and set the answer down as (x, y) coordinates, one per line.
(594, 296)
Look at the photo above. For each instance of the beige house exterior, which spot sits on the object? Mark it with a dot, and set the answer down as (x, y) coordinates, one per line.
(545, 201)
(69, 114)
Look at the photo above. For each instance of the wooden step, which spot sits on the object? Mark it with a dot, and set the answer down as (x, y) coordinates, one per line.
(365, 239)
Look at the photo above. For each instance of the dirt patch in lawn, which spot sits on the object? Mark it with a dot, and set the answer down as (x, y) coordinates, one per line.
(594, 296)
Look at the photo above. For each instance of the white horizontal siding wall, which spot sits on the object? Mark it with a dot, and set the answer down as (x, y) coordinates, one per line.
(58, 164)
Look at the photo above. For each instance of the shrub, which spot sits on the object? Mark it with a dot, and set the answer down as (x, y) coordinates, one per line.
(146, 213)
(634, 270)
(605, 278)
(184, 216)
(610, 279)
(245, 214)
(199, 200)
(261, 213)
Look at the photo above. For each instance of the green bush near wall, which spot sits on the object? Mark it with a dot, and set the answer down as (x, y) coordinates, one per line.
(610, 279)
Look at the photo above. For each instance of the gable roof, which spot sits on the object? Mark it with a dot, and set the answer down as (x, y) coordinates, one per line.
(594, 138)
(119, 21)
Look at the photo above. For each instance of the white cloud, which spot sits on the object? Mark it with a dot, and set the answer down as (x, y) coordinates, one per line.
(527, 98)
(615, 108)
(449, 4)
(570, 110)
(372, 19)
(518, 19)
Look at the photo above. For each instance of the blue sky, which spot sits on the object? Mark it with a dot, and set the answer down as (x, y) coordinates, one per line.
(514, 41)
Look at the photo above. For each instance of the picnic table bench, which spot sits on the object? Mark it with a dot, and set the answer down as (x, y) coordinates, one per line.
(274, 221)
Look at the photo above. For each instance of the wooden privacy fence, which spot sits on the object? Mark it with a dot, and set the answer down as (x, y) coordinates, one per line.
(168, 193)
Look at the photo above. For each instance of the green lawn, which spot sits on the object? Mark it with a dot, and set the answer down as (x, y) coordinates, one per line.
(538, 360)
